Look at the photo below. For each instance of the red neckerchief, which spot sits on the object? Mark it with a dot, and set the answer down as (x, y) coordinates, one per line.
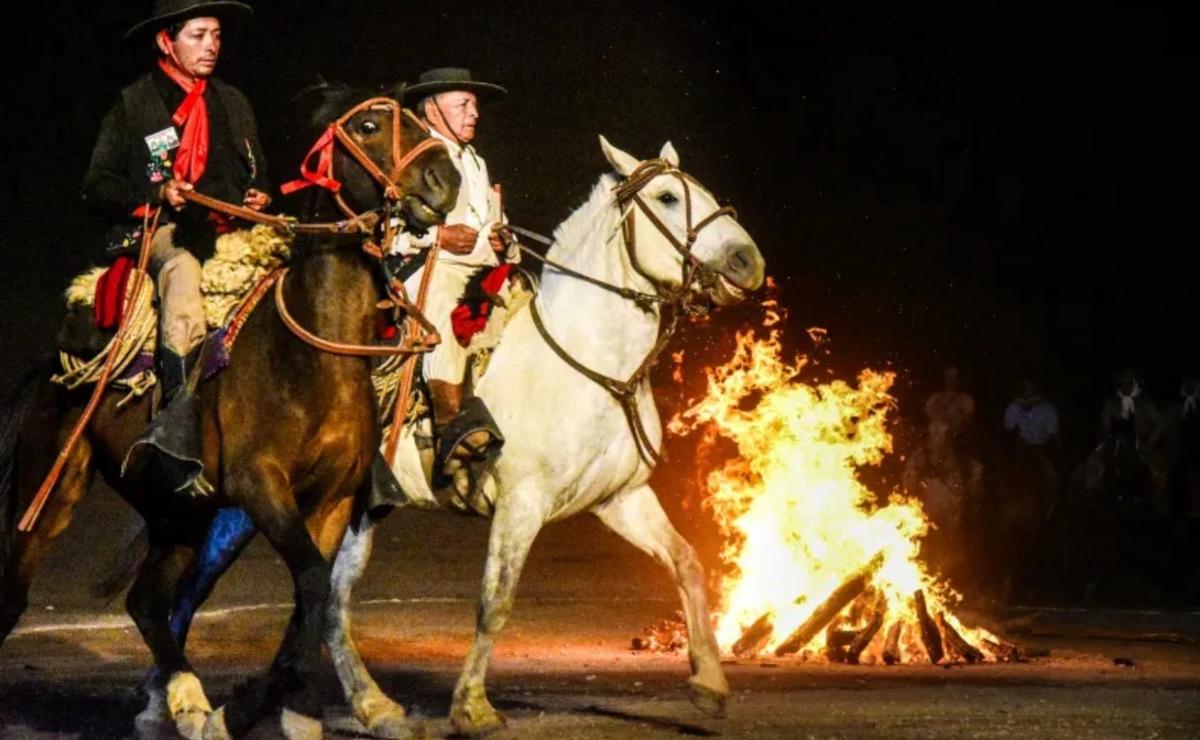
(192, 116)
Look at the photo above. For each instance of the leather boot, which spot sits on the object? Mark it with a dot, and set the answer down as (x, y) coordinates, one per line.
(175, 433)
(468, 434)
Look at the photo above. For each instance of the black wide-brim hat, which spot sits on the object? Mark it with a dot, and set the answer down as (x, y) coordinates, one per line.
(445, 79)
(168, 12)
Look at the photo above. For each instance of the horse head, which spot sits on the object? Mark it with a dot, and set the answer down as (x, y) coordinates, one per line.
(678, 236)
(372, 153)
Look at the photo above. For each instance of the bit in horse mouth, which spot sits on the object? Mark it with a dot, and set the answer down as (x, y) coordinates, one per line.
(422, 211)
(734, 290)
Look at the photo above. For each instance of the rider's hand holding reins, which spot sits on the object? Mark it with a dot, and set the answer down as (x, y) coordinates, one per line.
(500, 238)
(172, 193)
(256, 199)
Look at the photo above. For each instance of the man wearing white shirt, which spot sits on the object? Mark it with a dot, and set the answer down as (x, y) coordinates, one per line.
(472, 238)
(1032, 417)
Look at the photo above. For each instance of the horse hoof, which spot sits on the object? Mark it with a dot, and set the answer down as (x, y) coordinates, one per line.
(707, 700)
(475, 718)
(214, 728)
(191, 725)
(187, 705)
(381, 716)
(152, 720)
(296, 726)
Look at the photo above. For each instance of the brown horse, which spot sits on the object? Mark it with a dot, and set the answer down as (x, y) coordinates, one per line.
(289, 433)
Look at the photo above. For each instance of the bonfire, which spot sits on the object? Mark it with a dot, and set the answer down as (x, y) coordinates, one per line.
(815, 566)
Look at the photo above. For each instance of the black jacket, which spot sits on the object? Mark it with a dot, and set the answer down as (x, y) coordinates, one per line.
(125, 174)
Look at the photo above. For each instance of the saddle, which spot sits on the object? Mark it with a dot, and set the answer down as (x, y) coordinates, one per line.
(244, 265)
(488, 304)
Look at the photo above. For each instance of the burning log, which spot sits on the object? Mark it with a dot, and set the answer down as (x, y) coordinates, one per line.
(956, 643)
(891, 643)
(754, 637)
(837, 637)
(1006, 652)
(864, 637)
(667, 636)
(930, 637)
(850, 589)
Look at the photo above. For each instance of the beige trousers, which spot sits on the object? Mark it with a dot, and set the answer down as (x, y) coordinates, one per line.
(176, 272)
(447, 361)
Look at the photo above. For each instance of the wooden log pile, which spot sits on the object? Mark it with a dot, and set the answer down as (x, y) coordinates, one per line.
(849, 590)
(855, 614)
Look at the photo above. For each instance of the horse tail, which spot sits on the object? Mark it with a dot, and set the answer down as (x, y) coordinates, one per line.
(15, 409)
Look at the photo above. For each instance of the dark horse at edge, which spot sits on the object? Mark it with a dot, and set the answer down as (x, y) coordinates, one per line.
(289, 437)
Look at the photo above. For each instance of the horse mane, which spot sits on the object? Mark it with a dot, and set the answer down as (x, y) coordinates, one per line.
(577, 227)
(322, 103)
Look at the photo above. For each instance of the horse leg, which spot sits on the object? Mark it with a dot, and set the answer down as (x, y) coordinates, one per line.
(379, 714)
(28, 548)
(176, 692)
(229, 534)
(637, 516)
(292, 675)
(514, 527)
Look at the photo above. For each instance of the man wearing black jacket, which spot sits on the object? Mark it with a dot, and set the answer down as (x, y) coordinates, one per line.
(177, 129)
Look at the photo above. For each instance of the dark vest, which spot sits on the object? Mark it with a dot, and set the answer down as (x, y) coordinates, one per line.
(146, 113)
(233, 159)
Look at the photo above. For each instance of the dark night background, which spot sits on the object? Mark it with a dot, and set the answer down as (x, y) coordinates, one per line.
(1012, 192)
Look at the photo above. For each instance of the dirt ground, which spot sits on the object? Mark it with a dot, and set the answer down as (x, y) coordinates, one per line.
(564, 669)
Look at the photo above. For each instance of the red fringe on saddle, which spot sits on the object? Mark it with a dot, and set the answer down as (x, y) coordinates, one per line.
(109, 303)
(471, 315)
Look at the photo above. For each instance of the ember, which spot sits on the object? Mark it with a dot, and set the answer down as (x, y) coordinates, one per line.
(667, 636)
(816, 566)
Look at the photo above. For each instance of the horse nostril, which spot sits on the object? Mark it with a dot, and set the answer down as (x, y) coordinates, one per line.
(739, 260)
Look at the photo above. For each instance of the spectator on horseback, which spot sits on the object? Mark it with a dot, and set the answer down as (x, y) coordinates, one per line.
(1033, 418)
(177, 129)
(1183, 446)
(1129, 415)
(1031, 421)
(472, 241)
(953, 407)
(1130, 412)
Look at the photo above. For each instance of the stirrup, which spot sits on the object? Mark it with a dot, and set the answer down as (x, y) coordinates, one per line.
(474, 417)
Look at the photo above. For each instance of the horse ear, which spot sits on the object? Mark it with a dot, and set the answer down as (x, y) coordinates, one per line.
(396, 91)
(622, 162)
(669, 154)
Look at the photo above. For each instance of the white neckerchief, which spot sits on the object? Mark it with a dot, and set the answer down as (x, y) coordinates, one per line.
(1189, 401)
(475, 185)
(1128, 402)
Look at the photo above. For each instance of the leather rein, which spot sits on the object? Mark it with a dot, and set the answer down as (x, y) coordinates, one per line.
(677, 299)
(365, 223)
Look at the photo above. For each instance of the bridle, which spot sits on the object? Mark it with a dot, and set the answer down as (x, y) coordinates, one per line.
(676, 299)
(323, 176)
(417, 340)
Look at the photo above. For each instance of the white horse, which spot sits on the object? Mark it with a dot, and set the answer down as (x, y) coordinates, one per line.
(570, 445)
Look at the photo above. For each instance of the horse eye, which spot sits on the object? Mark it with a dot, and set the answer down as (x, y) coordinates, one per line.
(368, 127)
(668, 199)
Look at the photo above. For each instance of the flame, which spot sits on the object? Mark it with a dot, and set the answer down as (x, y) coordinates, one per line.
(797, 521)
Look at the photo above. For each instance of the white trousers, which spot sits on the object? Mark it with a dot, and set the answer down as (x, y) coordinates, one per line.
(448, 361)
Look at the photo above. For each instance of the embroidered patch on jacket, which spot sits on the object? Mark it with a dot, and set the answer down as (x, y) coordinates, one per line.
(162, 141)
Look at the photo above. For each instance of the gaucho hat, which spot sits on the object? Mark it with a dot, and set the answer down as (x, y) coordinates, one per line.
(1127, 375)
(444, 79)
(167, 12)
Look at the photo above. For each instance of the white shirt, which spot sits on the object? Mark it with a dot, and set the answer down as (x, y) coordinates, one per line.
(477, 207)
(1036, 424)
